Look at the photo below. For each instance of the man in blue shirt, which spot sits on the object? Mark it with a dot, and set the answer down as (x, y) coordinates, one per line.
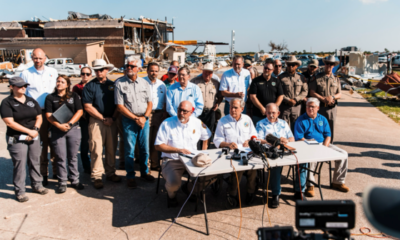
(184, 90)
(312, 125)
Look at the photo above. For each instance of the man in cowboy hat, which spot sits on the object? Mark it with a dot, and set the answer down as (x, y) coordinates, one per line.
(211, 95)
(98, 101)
(295, 89)
(253, 71)
(311, 71)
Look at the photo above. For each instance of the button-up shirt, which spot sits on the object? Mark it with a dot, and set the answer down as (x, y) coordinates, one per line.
(279, 129)
(229, 130)
(183, 136)
(210, 91)
(42, 83)
(308, 128)
(233, 82)
(134, 95)
(191, 93)
(294, 86)
(158, 92)
(325, 85)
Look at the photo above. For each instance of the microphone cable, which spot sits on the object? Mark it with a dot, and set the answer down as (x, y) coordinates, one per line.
(240, 203)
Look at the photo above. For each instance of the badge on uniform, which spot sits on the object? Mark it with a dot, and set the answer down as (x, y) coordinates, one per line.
(125, 88)
(321, 123)
(111, 88)
(246, 124)
(203, 125)
(273, 83)
(30, 104)
(70, 101)
(261, 83)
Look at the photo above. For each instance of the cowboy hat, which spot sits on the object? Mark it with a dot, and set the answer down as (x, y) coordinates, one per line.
(208, 67)
(313, 62)
(330, 59)
(293, 59)
(100, 64)
(247, 62)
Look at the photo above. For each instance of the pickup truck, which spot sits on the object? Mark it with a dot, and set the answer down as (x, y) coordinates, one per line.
(66, 66)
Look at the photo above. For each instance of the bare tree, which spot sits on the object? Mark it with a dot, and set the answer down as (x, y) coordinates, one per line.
(279, 47)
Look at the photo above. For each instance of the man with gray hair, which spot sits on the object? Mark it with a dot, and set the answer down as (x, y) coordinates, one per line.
(134, 100)
(235, 131)
(312, 125)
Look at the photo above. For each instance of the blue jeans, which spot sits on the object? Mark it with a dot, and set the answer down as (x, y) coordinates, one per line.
(133, 132)
(227, 108)
(276, 179)
(256, 119)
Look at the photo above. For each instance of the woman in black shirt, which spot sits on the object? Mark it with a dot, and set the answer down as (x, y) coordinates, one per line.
(23, 117)
(65, 137)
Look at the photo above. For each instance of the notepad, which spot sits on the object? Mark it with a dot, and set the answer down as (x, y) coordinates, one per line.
(311, 142)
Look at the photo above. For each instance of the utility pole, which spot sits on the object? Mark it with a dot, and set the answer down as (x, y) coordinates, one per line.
(233, 44)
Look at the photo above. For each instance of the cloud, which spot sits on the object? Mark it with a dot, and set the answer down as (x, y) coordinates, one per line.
(372, 1)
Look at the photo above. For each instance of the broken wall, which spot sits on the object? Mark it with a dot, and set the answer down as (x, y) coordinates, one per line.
(372, 65)
(357, 60)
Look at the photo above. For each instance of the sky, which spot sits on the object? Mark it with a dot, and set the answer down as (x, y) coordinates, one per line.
(317, 25)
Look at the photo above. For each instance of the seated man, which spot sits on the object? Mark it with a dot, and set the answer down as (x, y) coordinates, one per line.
(312, 125)
(179, 134)
(279, 128)
(234, 131)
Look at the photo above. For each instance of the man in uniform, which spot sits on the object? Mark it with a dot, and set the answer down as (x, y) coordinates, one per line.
(158, 113)
(277, 68)
(326, 87)
(263, 90)
(133, 99)
(295, 89)
(179, 135)
(98, 101)
(308, 75)
(184, 90)
(234, 131)
(235, 83)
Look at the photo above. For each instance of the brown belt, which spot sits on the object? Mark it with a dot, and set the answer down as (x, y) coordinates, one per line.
(155, 111)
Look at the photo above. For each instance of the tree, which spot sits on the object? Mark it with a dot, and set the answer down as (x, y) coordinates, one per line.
(279, 47)
(262, 51)
(387, 50)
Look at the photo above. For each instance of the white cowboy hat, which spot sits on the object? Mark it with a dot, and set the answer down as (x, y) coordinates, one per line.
(330, 59)
(208, 67)
(293, 59)
(100, 64)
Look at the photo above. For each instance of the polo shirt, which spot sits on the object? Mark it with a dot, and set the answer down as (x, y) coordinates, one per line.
(308, 128)
(191, 93)
(101, 96)
(183, 136)
(41, 83)
(78, 88)
(168, 84)
(23, 113)
(265, 91)
(233, 82)
(158, 93)
(134, 95)
(53, 103)
(279, 129)
(229, 130)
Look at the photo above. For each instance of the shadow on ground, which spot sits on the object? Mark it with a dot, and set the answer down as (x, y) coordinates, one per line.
(368, 145)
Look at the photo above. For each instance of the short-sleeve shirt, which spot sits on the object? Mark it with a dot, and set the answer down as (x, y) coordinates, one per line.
(101, 96)
(53, 103)
(158, 93)
(233, 82)
(308, 128)
(78, 88)
(23, 113)
(324, 85)
(293, 86)
(176, 94)
(279, 129)
(265, 91)
(176, 134)
(134, 95)
(210, 90)
(231, 131)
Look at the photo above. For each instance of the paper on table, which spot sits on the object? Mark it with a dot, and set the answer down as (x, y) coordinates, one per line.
(23, 137)
(311, 142)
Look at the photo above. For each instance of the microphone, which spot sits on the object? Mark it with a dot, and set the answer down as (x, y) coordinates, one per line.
(274, 141)
(255, 147)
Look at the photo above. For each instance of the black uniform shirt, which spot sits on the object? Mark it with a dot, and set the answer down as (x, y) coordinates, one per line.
(265, 91)
(23, 113)
(101, 96)
(52, 103)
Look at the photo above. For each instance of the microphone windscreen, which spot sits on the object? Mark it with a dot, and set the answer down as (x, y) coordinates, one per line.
(253, 137)
(255, 147)
(271, 139)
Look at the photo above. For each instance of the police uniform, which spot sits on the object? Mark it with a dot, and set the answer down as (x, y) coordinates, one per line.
(294, 87)
(182, 136)
(327, 86)
(307, 76)
(21, 151)
(65, 144)
(231, 131)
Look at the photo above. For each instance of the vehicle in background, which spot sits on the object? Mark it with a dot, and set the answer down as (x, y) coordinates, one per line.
(248, 57)
(66, 66)
(308, 56)
(192, 59)
(396, 61)
(382, 58)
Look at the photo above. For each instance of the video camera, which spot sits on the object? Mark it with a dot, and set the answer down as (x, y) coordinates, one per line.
(335, 218)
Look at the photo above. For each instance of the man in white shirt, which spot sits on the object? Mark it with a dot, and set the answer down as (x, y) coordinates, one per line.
(235, 83)
(42, 81)
(158, 113)
(179, 135)
(235, 131)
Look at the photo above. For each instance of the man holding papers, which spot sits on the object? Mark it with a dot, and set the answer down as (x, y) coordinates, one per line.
(179, 135)
(234, 131)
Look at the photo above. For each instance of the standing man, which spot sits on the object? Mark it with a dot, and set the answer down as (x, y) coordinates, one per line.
(184, 90)
(308, 75)
(235, 83)
(265, 89)
(295, 89)
(253, 71)
(172, 76)
(158, 113)
(134, 101)
(211, 95)
(326, 87)
(98, 101)
(41, 82)
(277, 68)
(166, 76)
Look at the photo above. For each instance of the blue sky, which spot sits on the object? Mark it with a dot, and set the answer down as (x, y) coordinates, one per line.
(323, 25)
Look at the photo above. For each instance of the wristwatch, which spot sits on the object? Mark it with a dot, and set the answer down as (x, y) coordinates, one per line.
(147, 118)
(36, 129)
(333, 96)
(70, 124)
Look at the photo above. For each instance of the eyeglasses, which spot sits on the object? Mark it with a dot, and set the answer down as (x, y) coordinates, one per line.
(269, 69)
(278, 66)
(99, 70)
(87, 74)
(130, 66)
(183, 110)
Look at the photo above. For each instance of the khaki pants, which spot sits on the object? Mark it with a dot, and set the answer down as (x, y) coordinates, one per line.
(121, 149)
(339, 174)
(290, 114)
(330, 114)
(101, 135)
(44, 137)
(250, 185)
(155, 121)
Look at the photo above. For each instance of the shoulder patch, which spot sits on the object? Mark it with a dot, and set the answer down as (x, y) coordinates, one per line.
(203, 125)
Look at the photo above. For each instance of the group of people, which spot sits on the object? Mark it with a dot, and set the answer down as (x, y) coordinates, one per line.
(158, 119)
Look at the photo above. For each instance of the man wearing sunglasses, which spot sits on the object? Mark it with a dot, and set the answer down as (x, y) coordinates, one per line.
(168, 76)
(179, 135)
(311, 72)
(133, 97)
(277, 68)
(295, 89)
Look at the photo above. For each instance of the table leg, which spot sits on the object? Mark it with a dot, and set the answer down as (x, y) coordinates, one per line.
(205, 210)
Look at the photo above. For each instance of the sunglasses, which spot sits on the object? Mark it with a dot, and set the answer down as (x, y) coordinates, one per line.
(269, 69)
(313, 67)
(184, 111)
(87, 74)
(278, 66)
(130, 66)
(20, 86)
(329, 64)
(99, 70)
(291, 65)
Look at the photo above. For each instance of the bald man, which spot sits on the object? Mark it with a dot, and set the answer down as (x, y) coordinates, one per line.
(42, 80)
